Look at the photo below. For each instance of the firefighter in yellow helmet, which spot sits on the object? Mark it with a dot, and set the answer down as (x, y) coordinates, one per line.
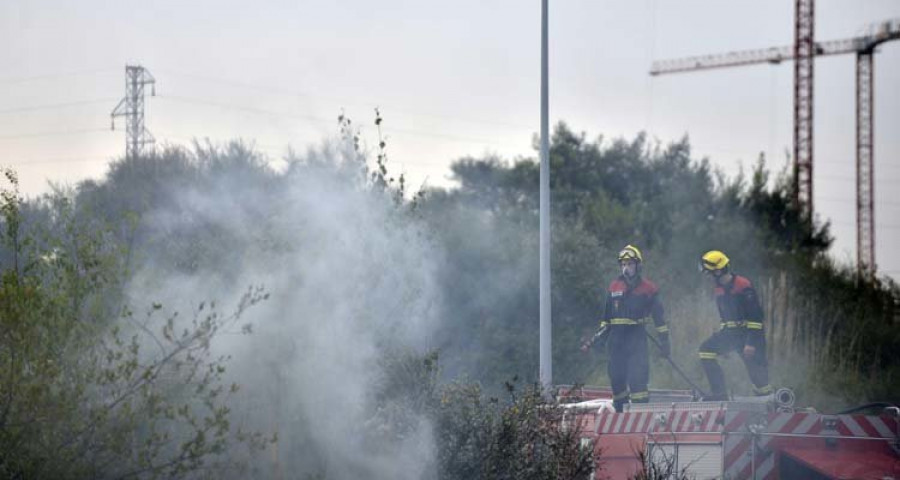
(741, 327)
(631, 301)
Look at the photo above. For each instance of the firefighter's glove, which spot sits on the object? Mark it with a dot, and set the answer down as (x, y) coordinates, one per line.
(586, 345)
(665, 349)
(749, 351)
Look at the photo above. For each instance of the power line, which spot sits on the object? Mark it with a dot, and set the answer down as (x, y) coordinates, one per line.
(13, 80)
(53, 133)
(850, 201)
(455, 138)
(852, 163)
(318, 119)
(851, 178)
(259, 111)
(43, 161)
(267, 148)
(281, 91)
(55, 105)
(890, 226)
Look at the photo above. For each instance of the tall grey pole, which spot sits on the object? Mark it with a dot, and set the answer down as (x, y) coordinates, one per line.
(546, 359)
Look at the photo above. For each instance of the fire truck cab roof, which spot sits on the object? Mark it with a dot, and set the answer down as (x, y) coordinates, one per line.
(747, 438)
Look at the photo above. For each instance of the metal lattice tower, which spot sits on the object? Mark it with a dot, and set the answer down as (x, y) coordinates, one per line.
(865, 168)
(132, 108)
(804, 53)
(864, 47)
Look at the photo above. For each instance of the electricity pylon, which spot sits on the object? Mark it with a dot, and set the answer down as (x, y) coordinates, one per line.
(132, 108)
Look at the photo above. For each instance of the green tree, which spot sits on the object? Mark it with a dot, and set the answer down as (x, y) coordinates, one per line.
(608, 193)
(87, 388)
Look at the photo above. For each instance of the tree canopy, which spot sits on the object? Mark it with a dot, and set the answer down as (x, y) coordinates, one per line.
(356, 269)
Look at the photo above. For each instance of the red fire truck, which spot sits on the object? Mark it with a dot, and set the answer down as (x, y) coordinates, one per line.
(762, 438)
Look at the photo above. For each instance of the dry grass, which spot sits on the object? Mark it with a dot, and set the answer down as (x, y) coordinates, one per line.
(822, 345)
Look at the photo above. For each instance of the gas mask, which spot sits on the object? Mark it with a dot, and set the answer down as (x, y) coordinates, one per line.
(629, 268)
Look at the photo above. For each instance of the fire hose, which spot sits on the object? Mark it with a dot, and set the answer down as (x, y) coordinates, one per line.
(605, 331)
(675, 366)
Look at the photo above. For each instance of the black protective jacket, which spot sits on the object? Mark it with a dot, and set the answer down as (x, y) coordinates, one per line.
(739, 308)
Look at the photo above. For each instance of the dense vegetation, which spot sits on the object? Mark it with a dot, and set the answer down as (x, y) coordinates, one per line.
(356, 269)
(834, 336)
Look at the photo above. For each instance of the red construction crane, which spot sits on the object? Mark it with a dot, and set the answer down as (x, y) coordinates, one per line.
(864, 47)
(804, 54)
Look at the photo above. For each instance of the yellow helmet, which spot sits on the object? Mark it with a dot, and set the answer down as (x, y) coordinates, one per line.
(630, 252)
(713, 260)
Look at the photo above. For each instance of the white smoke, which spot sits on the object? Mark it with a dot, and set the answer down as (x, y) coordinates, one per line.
(349, 274)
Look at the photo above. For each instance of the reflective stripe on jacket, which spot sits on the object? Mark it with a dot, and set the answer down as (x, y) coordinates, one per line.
(739, 308)
(635, 305)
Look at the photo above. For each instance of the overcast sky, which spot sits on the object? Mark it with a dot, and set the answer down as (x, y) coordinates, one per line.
(452, 79)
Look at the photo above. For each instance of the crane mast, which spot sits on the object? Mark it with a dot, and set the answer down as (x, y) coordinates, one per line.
(864, 48)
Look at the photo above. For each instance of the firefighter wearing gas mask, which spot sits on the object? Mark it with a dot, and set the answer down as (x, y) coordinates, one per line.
(741, 328)
(631, 302)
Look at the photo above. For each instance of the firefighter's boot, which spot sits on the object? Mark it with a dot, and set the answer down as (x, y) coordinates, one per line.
(640, 397)
(763, 391)
(759, 376)
(619, 401)
(716, 377)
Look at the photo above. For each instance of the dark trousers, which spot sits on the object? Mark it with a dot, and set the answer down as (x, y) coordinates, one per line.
(629, 368)
(733, 340)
